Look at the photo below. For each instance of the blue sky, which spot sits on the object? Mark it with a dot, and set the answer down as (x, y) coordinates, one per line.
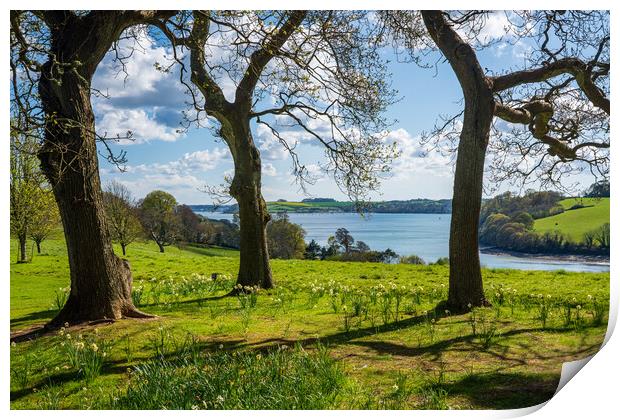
(150, 104)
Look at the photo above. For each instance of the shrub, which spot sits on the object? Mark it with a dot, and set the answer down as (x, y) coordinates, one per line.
(442, 261)
(412, 259)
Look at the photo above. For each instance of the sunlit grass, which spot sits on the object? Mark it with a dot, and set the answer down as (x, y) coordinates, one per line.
(375, 325)
(574, 223)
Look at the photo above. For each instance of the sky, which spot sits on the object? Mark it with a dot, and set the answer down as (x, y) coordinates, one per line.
(163, 155)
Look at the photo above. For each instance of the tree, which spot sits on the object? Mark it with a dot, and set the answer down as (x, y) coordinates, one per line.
(159, 219)
(332, 248)
(26, 189)
(559, 103)
(121, 215)
(313, 250)
(191, 227)
(324, 79)
(285, 239)
(603, 235)
(45, 220)
(598, 189)
(412, 259)
(54, 55)
(525, 219)
(344, 239)
(589, 238)
(388, 256)
(361, 246)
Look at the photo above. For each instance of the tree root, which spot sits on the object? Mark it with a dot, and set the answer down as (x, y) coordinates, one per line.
(137, 314)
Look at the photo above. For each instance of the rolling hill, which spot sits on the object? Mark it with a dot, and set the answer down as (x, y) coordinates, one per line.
(576, 221)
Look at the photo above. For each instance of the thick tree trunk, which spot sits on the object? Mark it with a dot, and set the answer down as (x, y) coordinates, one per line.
(254, 267)
(38, 246)
(100, 281)
(123, 247)
(466, 289)
(22, 248)
(161, 247)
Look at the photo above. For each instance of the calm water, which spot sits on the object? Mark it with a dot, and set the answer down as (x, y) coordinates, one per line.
(425, 235)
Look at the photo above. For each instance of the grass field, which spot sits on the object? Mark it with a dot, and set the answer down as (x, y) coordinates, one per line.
(330, 335)
(575, 223)
(295, 206)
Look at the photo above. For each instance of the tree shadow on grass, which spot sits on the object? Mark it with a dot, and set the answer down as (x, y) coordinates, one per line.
(208, 251)
(184, 302)
(504, 390)
(34, 316)
(120, 366)
(496, 350)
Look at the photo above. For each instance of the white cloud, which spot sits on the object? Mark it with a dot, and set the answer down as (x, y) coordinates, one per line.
(184, 178)
(184, 188)
(269, 169)
(143, 127)
(415, 159)
(145, 101)
(495, 27)
(202, 160)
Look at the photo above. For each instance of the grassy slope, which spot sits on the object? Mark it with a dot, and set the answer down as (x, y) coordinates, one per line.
(293, 206)
(575, 223)
(521, 368)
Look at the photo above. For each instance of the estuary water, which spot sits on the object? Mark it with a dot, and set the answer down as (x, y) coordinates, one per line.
(425, 235)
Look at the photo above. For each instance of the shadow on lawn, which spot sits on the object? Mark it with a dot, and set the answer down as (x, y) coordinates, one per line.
(491, 390)
(504, 390)
(41, 316)
(496, 349)
(494, 390)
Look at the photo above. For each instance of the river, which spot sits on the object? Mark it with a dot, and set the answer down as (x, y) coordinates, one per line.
(425, 235)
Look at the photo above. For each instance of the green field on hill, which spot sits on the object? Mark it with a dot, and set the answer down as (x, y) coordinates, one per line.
(574, 223)
(330, 335)
(296, 206)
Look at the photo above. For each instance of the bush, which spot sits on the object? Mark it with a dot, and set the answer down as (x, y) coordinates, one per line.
(278, 380)
(442, 261)
(412, 259)
(285, 239)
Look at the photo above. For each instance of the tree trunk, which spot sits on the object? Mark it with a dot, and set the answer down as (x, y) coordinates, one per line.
(465, 286)
(38, 246)
(161, 247)
(123, 246)
(254, 267)
(100, 281)
(22, 248)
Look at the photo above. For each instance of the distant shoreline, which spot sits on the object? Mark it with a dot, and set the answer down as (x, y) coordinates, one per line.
(327, 212)
(586, 259)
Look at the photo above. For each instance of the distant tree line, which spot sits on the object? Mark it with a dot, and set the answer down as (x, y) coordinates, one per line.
(160, 218)
(394, 206)
(598, 189)
(507, 222)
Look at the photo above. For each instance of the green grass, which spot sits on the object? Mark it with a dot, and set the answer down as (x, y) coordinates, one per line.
(350, 335)
(574, 223)
(295, 206)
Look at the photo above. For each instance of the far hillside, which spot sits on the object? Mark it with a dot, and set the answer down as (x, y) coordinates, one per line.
(545, 222)
(580, 216)
(329, 205)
